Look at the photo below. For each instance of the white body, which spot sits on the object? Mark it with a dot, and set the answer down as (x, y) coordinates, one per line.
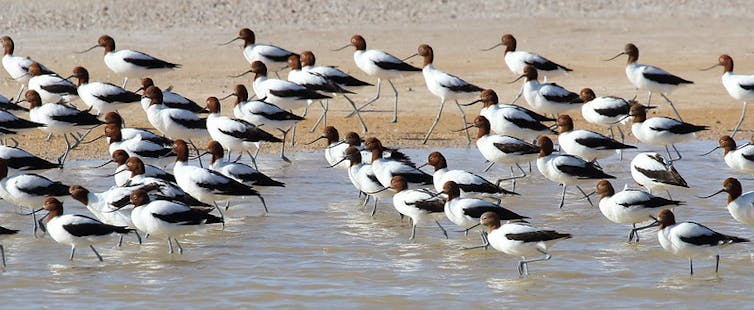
(438, 83)
(500, 242)
(44, 114)
(627, 207)
(39, 82)
(635, 73)
(217, 123)
(646, 162)
(568, 143)
(262, 86)
(260, 52)
(366, 59)
(655, 131)
(548, 166)
(742, 209)
(90, 91)
(735, 159)
(591, 115)
(534, 92)
(144, 219)
(490, 152)
(115, 61)
(502, 117)
(163, 118)
(517, 60)
(670, 240)
(60, 235)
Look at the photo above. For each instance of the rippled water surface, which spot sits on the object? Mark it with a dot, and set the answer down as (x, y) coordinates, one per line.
(318, 247)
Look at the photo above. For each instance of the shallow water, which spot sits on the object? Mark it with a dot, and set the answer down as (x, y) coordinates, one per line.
(319, 248)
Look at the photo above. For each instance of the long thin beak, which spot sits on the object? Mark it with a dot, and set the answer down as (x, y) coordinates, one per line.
(493, 47)
(68, 78)
(710, 68)
(88, 49)
(710, 196)
(341, 48)
(437, 195)
(472, 103)
(464, 128)
(379, 191)
(21, 76)
(715, 149)
(340, 161)
(315, 140)
(422, 165)
(336, 144)
(518, 78)
(231, 41)
(412, 56)
(616, 56)
(140, 89)
(95, 139)
(240, 75)
(32, 212)
(228, 96)
(200, 155)
(105, 164)
(114, 174)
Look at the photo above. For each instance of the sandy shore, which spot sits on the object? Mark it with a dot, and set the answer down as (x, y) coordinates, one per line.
(681, 37)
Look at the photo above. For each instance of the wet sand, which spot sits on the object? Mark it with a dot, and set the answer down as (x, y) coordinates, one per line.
(679, 44)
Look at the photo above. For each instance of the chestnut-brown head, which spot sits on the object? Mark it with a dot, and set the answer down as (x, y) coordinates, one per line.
(733, 187)
(436, 160)
(120, 157)
(35, 69)
(451, 189)
(259, 69)
(605, 189)
(107, 42)
(565, 123)
(509, 41)
(113, 118)
(81, 74)
(358, 42)
(353, 139)
(53, 206)
(32, 97)
(181, 150)
(666, 218)
(490, 220)
(398, 184)
(216, 149)
(727, 62)
(8, 45)
(79, 193)
(294, 62)
(586, 95)
(135, 165)
(247, 36)
(307, 58)
(638, 112)
(139, 198)
(154, 94)
(545, 146)
(213, 105)
(425, 51)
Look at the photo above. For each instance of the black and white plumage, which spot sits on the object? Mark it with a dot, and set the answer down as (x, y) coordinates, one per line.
(630, 206)
(606, 111)
(471, 184)
(168, 219)
(547, 97)
(122, 175)
(465, 212)
(386, 168)
(77, 230)
(240, 172)
(60, 118)
(512, 120)
(10, 105)
(158, 188)
(446, 86)
(131, 63)
(128, 133)
(519, 239)
(28, 190)
(652, 171)
(207, 185)
(147, 150)
(586, 144)
(234, 134)
(566, 169)
(691, 240)
(22, 160)
(171, 122)
(18, 66)
(285, 94)
(417, 204)
(661, 130)
(271, 55)
(11, 122)
(108, 207)
(650, 78)
(170, 99)
(382, 65)
(101, 96)
(51, 87)
(503, 149)
(517, 60)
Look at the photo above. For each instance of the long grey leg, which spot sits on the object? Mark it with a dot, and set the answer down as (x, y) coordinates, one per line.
(170, 246)
(282, 148)
(740, 121)
(2, 253)
(585, 195)
(691, 266)
(374, 207)
(395, 102)
(717, 263)
(321, 117)
(520, 92)
(358, 115)
(492, 163)
(370, 101)
(180, 248)
(95, 252)
(444, 232)
(463, 118)
(138, 236)
(120, 241)
(413, 230)
(562, 197)
(649, 99)
(73, 252)
(672, 106)
(437, 119)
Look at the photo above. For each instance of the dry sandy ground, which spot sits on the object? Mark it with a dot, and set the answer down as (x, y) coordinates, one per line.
(680, 36)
